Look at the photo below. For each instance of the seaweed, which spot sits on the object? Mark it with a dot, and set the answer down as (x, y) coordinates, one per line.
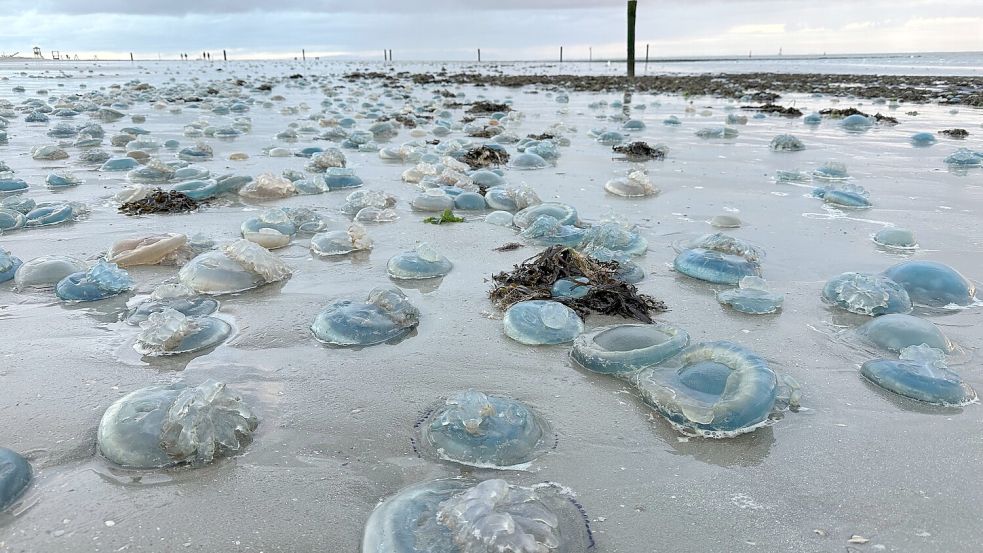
(885, 119)
(483, 156)
(640, 151)
(446, 217)
(776, 109)
(511, 246)
(841, 113)
(161, 201)
(543, 136)
(954, 133)
(488, 107)
(533, 279)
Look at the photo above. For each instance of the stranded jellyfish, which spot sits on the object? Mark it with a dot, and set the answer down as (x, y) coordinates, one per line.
(565, 214)
(432, 199)
(528, 161)
(548, 231)
(856, 122)
(341, 242)
(786, 143)
(866, 294)
(15, 476)
(8, 265)
(178, 297)
(46, 271)
(272, 229)
(339, 178)
(155, 249)
(720, 259)
(175, 424)
(923, 139)
(844, 195)
(101, 281)
(170, 332)
(933, 284)
(895, 238)
(236, 267)
(615, 237)
(459, 516)
(511, 198)
(896, 331)
(385, 315)
(541, 322)
(921, 373)
(625, 348)
(484, 431)
(420, 263)
(636, 185)
(752, 296)
(716, 389)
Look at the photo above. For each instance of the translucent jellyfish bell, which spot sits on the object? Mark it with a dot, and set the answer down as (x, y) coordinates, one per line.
(856, 123)
(484, 431)
(433, 199)
(615, 237)
(896, 238)
(101, 281)
(921, 374)
(844, 195)
(268, 187)
(386, 315)
(786, 143)
(178, 297)
(420, 263)
(272, 229)
(164, 426)
(462, 516)
(511, 198)
(528, 161)
(897, 331)
(718, 389)
(239, 266)
(170, 332)
(565, 214)
(636, 185)
(866, 294)
(46, 271)
(625, 348)
(546, 230)
(542, 322)
(341, 242)
(752, 297)
(15, 477)
(154, 249)
(933, 284)
(720, 259)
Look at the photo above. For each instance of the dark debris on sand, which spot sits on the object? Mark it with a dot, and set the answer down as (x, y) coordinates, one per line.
(543, 136)
(511, 246)
(533, 279)
(161, 201)
(640, 151)
(776, 109)
(837, 113)
(885, 119)
(954, 133)
(488, 107)
(483, 156)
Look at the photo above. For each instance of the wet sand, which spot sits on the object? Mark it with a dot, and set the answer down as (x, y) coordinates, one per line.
(336, 424)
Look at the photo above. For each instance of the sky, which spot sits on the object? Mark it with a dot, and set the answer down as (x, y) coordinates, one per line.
(503, 29)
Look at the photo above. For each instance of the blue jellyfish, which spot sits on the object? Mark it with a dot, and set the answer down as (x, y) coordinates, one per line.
(341, 242)
(119, 164)
(237, 267)
(53, 213)
(190, 173)
(574, 288)
(625, 348)
(499, 218)
(487, 178)
(844, 195)
(615, 237)
(752, 297)
(832, 170)
(786, 143)
(433, 199)
(672, 121)
(19, 203)
(528, 161)
(866, 294)
(482, 430)
(812, 119)
(964, 158)
(511, 198)
(547, 231)
(716, 132)
(198, 152)
(857, 123)
(8, 265)
(11, 220)
(10, 184)
(470, 201)
(178, 297)
(921, 374)
(933, 284)
(541, 322)
(460, 516)
(735, 119)
(895, 238)
(386, 315)
(170, 332)
(720, 259)
(15, 477)
(628, 270)
(101, 281)
(923, 139)
(565, 214)
(896, 331)
(272, 229)
(62, 180)
(340, 178)
(719, 389)
(633, 125)
(420, 263)
(175, 424)
(46, 271)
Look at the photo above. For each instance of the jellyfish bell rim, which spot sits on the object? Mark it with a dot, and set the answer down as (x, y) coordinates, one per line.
(597, 358)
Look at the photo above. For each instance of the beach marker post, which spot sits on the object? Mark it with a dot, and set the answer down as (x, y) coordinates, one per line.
(561, 54)
(646, 55)
(303, 54)
(225, 57)
(479, 54)
(632, 8)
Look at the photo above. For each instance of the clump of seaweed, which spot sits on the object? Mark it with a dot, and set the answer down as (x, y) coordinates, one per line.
(842, 113)
(484, 106)
(534, 278)
(446, 217)
(954, 133)
(640, 151)
(161, 201)
(483, 156)
(776, 109)
(885, 119)
(511, 246)
(543, 136)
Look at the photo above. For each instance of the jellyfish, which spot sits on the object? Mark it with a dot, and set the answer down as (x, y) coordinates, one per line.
(812, 119)
(511, 198)
(487, 178)
(628, 270)
(832, 170)
(548, 231)
(625, 348)
(565, 214)
(896, 331)
(636, 185)
(844, 195)
(752, 296)
(470, 201)
(268, 187)
(54, 213)
(716, 132)
(12, 220)
(15, 477)
(433, 199)
(964, 158)
(528, 161)
(715, 389)
(8, 265)
(154, 249)
(154, 171)
(866, 294)
(786, 143)
(420, 263)
(720, 259)
(541, 322)
(725, 221)
(198, 189)
(48, 153)
(933, 284)
(171, 332)
(10, 184)
(923, 139)
(386, 315)
(900, 238)
(119, 164)
(239, 266)
(341, 242)
(62, 180)
(340, 178)
(322, 161)
(610, 138)
(19, 203)
(175, 424)
(460, 516)
(482, 430)
(672, 121)
(198, 152)
(101, 281)
(615, 237)
(46, 271)
(856, 123)
(272, 229)
(921, 374)
(178, 297)
(499, 218)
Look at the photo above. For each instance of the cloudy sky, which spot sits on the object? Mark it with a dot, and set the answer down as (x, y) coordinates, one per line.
(503, 29)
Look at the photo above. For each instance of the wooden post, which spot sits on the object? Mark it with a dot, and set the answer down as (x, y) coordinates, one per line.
(561, 54)
(479, 54)
(131, 56)
(590, 54)
(646, 54)
(225, 57)
(632, 7)
(303, 54)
